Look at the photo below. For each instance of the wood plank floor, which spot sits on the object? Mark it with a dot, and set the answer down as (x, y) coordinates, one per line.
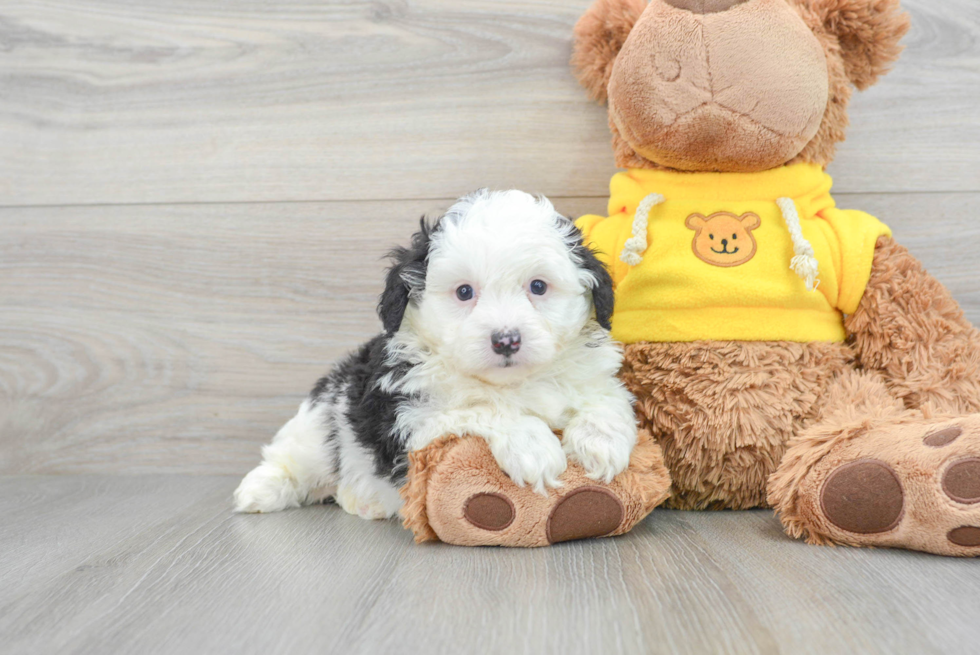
(195, 197)
(167, 568)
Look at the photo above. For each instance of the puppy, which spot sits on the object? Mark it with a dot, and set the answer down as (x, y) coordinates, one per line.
(496, 324)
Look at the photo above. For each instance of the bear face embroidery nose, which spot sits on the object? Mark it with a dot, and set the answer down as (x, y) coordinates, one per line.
(704, 6)
(505, 343)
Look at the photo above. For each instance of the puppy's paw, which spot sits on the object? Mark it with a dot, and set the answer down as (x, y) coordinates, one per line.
(603, 450)
(365, 506)
(267, 488)
(532, 456)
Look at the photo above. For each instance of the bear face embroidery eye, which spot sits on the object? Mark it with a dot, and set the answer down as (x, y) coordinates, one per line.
(734, 236)
(539, 287)
(464, 292)
(711, 236)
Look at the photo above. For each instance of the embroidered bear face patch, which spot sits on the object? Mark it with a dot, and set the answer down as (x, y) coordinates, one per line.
(724, 239)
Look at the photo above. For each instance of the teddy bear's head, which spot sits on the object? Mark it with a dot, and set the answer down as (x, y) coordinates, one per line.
(732, 85)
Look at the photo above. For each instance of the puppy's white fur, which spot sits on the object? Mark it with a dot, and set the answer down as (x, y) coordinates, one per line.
(451, 381)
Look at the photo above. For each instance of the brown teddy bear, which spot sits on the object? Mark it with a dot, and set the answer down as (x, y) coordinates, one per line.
(783, 352)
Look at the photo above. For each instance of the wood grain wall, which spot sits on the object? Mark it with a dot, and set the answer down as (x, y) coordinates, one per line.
(195, 196)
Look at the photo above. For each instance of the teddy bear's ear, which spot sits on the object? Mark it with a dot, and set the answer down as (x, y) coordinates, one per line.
(750, 221)
(599, 36)
(694, 221)
(868, 32)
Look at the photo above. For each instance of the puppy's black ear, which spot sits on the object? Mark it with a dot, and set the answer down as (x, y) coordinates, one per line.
(405, 281)
(600, 280)
(602, 288)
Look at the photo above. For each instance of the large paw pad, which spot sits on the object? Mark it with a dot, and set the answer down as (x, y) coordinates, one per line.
(585, 512)
(865, 497)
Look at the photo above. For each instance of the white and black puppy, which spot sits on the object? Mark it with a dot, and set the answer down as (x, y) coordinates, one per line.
(496, 324)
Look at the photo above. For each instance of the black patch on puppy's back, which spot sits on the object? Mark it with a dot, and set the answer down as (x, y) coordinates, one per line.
(370, 411)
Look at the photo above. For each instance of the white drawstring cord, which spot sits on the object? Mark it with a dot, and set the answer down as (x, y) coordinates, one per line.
(804, 262)
(633, 248)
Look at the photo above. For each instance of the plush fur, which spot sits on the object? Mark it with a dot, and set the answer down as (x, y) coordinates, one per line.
(911, 330)
(868, 33)
(723, 412)
(599, 36)
(436, 371)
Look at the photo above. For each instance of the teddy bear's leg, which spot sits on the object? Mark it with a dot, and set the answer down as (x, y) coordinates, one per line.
(457, 493)
(895, 458)
(874, 473)
(723, 412)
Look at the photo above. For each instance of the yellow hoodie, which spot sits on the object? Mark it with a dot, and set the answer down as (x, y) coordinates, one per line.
(719, 256)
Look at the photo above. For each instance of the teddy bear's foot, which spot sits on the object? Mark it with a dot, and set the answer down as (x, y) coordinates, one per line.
(457, 493)
(911, 483)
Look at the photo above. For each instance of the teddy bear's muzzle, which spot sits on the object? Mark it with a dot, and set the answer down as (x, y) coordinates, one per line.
(719, 85)
(704, 6)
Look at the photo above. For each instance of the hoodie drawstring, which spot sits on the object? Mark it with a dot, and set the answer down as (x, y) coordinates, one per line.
(804, 262)
(633, 248)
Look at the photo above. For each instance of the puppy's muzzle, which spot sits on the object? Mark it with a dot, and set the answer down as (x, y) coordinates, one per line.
(506, 343)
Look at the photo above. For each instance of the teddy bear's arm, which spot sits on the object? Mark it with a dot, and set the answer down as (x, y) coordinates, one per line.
(908, 327)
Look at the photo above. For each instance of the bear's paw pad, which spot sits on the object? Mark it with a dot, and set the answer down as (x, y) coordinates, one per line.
(961, 481)
(967, 536)
(585, 512)
(489, 511)
(865, 497)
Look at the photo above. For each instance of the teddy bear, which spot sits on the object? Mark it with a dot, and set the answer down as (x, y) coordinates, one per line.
(783, 352)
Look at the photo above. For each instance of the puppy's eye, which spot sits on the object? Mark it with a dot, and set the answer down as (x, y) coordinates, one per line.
(538, 287)
(464, 292)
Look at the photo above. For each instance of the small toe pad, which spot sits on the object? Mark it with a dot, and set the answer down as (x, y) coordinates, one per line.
(943, 437)
(489, 511)
(967, 535)
(961, 482)
(864, 497)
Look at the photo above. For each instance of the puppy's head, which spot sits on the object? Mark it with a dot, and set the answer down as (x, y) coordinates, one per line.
(497, 288)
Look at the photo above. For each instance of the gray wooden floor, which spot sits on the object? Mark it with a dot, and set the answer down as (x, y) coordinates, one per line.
(159, 565)
(194, 199)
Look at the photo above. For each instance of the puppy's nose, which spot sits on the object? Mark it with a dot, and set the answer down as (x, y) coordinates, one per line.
(505, 343)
